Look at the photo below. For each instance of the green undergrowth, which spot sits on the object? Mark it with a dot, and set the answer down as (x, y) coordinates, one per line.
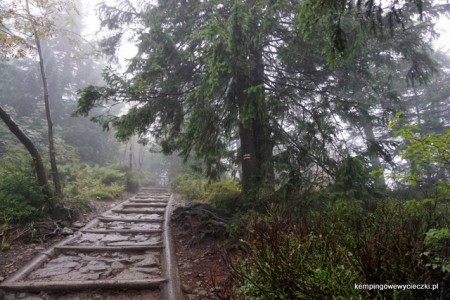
(84, 183)
(21, 199)
(224, 193)
(325, 251)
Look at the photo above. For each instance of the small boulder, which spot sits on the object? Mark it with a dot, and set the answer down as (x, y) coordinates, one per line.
(66, 231)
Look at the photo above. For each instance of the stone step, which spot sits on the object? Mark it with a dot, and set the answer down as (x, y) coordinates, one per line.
(155, 205)
(128, 247)
(113, 219)
(149, 201)
(138, 211)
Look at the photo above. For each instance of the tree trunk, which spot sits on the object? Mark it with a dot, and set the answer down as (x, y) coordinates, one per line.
(249, 96)
(256, 147)
(51, 144)
(130, 156)
(374, 159)
(29, 145)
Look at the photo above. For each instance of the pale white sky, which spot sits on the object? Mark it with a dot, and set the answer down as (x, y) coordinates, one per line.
(443, 43)
(91, 31)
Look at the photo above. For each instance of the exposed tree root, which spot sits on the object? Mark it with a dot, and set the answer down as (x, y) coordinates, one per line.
(201, 221)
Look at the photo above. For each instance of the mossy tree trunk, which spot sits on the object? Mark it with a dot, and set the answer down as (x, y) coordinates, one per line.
(39, 168)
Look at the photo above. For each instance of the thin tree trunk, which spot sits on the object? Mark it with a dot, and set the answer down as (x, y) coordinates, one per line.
(51, 144)
(374, 159)
(130, 156)
(29, 145)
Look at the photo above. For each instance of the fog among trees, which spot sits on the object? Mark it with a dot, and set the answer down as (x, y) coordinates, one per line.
(294, 109)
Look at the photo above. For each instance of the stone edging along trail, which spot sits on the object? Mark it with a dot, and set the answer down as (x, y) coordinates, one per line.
(128, 247)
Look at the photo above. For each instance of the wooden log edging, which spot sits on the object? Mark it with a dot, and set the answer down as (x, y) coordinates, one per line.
(172, 290)
(36, 286)
(167, 282)
(122, 231)
(63, 249)
(137, 211)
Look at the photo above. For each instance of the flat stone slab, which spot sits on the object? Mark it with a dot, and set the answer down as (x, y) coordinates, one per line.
(141, 216)
(127, 225)
(146, 205)
(140, 210)
(100, 266)
(116, 239)
(122, 248)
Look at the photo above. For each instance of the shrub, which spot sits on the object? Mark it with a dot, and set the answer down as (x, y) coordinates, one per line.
(191, 187)
(323, 254)
(109, 175)
(285, 263)
(225, 194)
(21, 199)
(84, 183)
(14, 210)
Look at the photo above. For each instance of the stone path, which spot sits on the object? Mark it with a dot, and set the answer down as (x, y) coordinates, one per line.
(127, 248)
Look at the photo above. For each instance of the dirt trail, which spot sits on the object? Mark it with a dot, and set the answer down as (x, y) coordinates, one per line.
(126, 253)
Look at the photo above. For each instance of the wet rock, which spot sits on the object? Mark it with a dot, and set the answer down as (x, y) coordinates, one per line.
(49, 272)
(70, 265)
(136, 258)
(107, 273)
(63, 260)
(154, 271)
(187, 266)
(114, 238)
(94, 266)
(130, 274)
(150, 261)
(66, 231)
(77, 276)
(216, 289)
(202, 293)
(186, 289)
(78, 225)
(117, 265)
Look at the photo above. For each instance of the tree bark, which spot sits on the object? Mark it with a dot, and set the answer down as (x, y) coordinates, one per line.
(254, 133)
(51, 144)
(29, 145)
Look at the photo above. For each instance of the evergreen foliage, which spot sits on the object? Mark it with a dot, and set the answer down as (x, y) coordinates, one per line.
(230, 82)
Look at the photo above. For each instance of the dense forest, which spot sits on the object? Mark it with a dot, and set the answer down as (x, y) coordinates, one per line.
(321, 126)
